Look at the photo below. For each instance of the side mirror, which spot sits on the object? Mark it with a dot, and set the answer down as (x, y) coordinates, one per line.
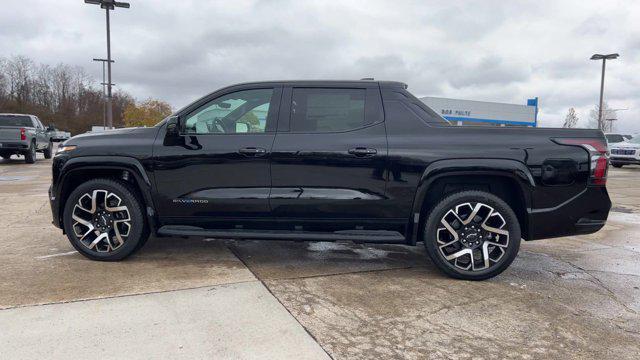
(242, 127)
(172, 137)
(173, 126)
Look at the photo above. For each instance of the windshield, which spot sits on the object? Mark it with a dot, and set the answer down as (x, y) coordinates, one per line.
(635, 140)
(15, 120)
(614, 138)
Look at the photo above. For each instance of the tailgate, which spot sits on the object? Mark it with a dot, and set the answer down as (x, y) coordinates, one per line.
(9, 133)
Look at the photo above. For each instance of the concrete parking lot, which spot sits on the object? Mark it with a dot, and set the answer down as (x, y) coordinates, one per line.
(574, 297)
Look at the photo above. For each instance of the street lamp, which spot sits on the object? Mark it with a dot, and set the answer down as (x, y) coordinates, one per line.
(108, 5)
(611, 120)
(604, 59)
(104, 91)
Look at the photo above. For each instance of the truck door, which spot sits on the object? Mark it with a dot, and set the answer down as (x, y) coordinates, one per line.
(41, 134)
(218, 167)
(329, 154)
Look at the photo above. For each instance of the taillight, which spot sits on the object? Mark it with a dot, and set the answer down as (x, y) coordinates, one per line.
(23, 134)
(598, 156)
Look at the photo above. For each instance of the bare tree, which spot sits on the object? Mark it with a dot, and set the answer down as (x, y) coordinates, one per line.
(607, 113)
(571, 119)
(62, 95)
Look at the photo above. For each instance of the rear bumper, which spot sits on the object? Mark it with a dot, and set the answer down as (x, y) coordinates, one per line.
(585, 213)
(13, 145)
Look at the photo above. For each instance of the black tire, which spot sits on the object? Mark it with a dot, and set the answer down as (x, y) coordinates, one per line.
(5, 156)
(30, 155)
(49, 150)
(617, 165)
(138, 232)
(508, 249)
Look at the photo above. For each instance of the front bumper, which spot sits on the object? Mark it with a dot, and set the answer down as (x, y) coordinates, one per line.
(585, 213)
(55, 206)
(626, 160)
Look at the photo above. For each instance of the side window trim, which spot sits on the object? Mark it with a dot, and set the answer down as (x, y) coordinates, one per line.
(272, 115)
(372, 108)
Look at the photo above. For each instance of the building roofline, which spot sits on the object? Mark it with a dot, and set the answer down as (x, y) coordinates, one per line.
(474, 101)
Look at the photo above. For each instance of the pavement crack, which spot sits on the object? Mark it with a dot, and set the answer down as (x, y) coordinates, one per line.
(348, 273)
(596, 281)
(122, 295)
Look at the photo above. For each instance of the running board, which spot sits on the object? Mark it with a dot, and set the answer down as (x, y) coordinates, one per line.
(368, 236)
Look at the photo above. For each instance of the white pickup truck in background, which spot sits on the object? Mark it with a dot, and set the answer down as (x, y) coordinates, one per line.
(58, 135)
(22, 134)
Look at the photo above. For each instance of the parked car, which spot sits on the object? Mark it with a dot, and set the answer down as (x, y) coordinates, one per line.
(613, 138)
(57, 135)
(22, 134)
(625, 153)
(330, 160)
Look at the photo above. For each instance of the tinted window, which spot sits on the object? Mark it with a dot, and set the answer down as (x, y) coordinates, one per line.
(15, 120)
(614, 138)
(327, 110)
(239, 112)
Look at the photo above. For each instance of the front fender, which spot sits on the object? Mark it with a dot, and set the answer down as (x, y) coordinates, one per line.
(84, 163)
(512, 169)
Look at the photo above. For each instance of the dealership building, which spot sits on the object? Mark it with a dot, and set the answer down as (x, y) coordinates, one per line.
(470, 112)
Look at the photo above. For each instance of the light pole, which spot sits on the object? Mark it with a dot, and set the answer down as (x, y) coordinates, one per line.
(108, 5)
(104, 91)
(611, 120)
(604, 59)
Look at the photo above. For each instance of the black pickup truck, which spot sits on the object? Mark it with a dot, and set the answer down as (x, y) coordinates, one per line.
(364, 161)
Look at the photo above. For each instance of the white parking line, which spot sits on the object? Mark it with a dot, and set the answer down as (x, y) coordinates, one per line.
(55, 255)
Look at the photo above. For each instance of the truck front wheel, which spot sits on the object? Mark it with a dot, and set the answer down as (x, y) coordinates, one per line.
(104, 220)
(472, 235)
(49, 150)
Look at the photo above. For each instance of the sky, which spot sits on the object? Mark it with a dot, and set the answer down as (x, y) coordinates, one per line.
(503, 51)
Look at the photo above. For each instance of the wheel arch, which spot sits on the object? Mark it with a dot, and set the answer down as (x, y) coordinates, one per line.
(510, 180)
(78, 170)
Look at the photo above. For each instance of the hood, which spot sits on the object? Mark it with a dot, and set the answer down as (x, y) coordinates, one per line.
(113, 132)
(111, 137)
(625, 145)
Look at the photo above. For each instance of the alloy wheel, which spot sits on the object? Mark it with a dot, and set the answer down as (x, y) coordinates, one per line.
(472, 236)
(101, 222)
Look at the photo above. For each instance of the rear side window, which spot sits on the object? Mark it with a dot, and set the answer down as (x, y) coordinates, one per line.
(327, 110)
(15, 120)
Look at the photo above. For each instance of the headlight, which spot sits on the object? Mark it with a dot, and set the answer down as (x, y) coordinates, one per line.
(65, 148)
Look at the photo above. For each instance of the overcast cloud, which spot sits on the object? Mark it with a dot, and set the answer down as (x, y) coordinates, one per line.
(504, 51)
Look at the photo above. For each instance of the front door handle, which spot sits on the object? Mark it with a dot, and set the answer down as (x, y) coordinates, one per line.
(252, 151)
(362, 151)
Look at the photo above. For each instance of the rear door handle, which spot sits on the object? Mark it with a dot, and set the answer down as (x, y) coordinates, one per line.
(252, 151)
(362, 151)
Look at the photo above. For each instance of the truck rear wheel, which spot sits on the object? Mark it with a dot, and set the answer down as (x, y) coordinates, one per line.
(30, 155)
(472, 235)
(104, 220)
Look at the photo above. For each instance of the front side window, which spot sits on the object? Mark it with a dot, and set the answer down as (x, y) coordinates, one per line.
(327, 110)
(240, 112)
